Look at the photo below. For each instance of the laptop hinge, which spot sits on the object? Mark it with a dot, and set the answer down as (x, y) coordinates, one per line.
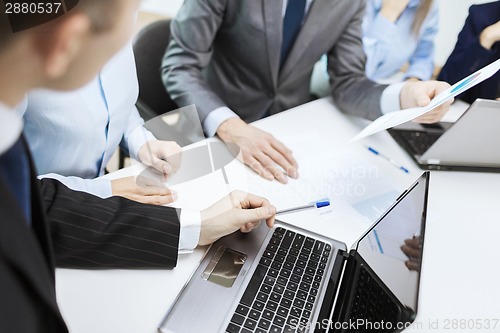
(331, 319)
(332, 290)
(345, 285)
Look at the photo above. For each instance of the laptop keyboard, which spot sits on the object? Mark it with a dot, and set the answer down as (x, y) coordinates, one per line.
(417, 142)
(371, 303)
(283, 289)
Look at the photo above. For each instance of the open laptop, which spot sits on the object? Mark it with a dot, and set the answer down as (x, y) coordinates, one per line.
(470, 144)
(287, 279)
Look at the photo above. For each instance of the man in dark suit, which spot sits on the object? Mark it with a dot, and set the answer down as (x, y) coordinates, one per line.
(478, 45)
(44, 224)
(239, 61)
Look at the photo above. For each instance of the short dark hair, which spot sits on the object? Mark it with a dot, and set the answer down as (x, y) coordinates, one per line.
(100, 13)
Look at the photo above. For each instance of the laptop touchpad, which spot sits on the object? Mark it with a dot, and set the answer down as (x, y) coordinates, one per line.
(224, 267)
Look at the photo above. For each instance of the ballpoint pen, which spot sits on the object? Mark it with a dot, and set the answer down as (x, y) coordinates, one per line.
(318, 204)
(390, 160)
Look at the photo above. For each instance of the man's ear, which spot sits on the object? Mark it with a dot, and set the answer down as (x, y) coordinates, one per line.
(62, 42)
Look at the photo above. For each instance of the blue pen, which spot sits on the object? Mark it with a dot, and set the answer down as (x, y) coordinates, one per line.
(390, 160)
(319, 204)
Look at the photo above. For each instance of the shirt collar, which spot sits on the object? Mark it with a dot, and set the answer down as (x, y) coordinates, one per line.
(11, 126)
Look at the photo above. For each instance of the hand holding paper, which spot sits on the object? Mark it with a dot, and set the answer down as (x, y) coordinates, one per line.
(420, 94)
(397, 118)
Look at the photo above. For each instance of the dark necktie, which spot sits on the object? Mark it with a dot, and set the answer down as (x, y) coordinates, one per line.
(291, 25)
(15, 173)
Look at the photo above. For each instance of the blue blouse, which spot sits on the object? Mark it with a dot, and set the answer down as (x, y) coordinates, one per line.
(72, 135)
(389, 46)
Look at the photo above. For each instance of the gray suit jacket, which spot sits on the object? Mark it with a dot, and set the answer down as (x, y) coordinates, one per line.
(227, 53)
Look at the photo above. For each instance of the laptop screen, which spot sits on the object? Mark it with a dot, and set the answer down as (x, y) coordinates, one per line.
(393, 248)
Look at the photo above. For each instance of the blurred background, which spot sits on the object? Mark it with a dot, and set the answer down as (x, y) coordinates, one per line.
(452, 18)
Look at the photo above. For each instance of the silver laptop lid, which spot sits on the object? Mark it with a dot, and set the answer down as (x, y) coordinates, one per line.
(474, 140)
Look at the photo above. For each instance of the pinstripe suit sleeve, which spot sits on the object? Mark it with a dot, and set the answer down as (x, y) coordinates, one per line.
(90, 232)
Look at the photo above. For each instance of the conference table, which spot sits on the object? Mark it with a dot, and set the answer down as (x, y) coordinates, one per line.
(459, 288)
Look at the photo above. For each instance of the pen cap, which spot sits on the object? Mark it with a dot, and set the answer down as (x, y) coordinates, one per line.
(320, 204)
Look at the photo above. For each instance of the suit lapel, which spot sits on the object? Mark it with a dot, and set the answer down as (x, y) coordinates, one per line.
(320, 11)
(40, 223)
(272, 11)
(21, 249)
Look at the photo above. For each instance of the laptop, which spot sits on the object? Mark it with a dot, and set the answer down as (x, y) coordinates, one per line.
(470, 144)
(287, 279)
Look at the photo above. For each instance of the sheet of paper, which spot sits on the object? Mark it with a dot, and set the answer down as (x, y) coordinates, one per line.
(353, 184)
(356, 188)
(202, 178)
(202, 192)
(399, 117)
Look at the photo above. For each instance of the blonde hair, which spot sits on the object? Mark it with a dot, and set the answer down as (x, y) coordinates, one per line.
(422, 12)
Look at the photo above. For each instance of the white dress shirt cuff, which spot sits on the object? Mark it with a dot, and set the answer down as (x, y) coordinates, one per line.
(189, 236)
(96, 186)
(215, 118)
(137, 139)
(100, 187)
(390, 100)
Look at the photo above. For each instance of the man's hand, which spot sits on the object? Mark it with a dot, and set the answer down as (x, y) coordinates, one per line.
(237, 211)
(164, 156)
(392, 9)
(154, 195)
(490, 36)
(261, 151)
(420, 94)
(412, 248)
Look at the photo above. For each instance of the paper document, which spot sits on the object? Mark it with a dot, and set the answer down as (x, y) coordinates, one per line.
(356, 187)
(399, 117)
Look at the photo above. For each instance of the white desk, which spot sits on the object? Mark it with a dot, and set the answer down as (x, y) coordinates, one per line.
(460, 276)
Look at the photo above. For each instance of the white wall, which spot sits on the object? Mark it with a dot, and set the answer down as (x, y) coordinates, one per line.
(163, 7)
(452, 17)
